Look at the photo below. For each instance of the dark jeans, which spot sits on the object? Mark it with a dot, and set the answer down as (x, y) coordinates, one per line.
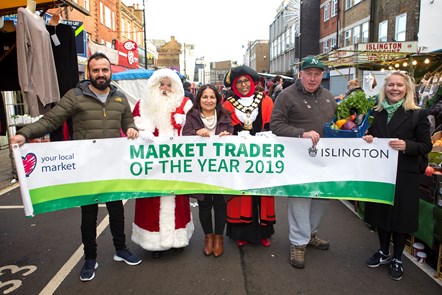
(205, 214)
(89, 227)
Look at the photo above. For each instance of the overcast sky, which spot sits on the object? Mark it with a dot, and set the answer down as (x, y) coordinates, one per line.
(218, 28)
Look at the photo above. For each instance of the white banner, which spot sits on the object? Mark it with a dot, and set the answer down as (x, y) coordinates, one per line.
(60, 175)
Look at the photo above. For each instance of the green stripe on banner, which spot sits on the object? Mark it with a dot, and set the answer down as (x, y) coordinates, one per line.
(346, 190)
(126, 187)
(58, 197)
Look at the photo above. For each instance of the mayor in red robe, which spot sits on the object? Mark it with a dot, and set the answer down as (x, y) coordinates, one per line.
(250, 219)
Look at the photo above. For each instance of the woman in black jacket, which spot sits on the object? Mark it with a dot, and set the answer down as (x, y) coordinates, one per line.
(394, 118)
(208, 118)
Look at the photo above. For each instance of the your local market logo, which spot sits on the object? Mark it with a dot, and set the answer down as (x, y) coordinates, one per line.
(29, 163)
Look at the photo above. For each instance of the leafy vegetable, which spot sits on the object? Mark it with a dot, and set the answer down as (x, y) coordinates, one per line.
(356, 100)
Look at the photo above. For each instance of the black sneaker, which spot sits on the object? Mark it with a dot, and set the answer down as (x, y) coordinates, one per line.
(88, 271)
(396, 270)
(378, 258)
(126, 256)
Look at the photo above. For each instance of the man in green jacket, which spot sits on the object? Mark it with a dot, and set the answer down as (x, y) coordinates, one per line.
(98, 110)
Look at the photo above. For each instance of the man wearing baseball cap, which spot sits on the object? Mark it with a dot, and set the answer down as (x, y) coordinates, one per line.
(302, 110)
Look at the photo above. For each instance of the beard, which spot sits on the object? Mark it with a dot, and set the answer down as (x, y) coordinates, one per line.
(101, 85)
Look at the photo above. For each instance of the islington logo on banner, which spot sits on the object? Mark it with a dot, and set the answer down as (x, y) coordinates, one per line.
(60, 175)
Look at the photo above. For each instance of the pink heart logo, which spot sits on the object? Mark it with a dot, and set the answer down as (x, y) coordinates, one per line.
(29, 163)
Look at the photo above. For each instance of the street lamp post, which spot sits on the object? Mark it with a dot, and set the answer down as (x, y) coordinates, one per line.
(145, 34)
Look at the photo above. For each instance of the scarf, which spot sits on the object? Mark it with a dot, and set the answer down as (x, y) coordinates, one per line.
(391, 108)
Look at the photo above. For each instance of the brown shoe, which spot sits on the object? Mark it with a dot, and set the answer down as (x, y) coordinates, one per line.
(208, 244)
(218, 245)
(318, 243)
(297, 256)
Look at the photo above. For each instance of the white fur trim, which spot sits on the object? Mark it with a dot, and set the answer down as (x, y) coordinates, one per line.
(168, 237)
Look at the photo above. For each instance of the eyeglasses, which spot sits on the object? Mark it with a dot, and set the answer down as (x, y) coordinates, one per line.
(245, 82)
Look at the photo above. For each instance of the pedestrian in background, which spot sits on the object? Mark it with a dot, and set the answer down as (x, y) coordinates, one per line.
(98, 110)
(208, 118)
(275, 87)
(188, 91)
(302, 110)
(397, 116)
(249, 218)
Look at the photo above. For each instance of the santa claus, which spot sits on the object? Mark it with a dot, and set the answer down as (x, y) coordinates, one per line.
(162, 223)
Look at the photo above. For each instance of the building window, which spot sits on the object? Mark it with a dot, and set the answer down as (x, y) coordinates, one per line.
(107, 17)
(325, 47)
(292, 35)
(332, 43)
(356, 34)
(348, 4)
(326, 12)
(287, 39)
(113, 21)
(356, 2)
(334, 7)
(87, 5)
(364, 33)
(401, 27)
(383, 29)
(347, 37)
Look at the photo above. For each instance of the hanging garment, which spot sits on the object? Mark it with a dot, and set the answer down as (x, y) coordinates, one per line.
(66, 64)
(35, 60)
(8, 62)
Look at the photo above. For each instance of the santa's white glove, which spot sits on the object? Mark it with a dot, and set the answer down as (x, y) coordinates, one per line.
(180, 119)
(146, 136)
(244, 134)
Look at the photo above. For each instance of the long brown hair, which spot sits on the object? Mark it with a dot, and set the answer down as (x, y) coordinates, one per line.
(220, 110)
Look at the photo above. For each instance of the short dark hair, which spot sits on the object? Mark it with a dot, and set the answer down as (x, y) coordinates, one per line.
(96, 55)
(186, 85)
(277, 78)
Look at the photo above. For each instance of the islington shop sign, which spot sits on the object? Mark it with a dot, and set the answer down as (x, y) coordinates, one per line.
(402, 47)
(370, 52)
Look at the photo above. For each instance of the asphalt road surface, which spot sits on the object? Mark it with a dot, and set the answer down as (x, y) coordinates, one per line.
(44, 255)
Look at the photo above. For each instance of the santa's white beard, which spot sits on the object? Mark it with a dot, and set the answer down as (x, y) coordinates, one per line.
(155, 111)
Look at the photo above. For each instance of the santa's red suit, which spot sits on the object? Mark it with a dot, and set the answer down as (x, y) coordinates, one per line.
(162, 223)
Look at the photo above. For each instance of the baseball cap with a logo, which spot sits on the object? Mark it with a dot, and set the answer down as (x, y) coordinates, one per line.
(311, 62)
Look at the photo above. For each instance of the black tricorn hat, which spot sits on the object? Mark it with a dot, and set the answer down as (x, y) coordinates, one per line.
(236, 72)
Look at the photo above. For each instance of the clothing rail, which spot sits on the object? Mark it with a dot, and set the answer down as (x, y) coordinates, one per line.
(11, 6)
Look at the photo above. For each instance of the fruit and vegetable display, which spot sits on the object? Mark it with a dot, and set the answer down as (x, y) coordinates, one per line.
(351, 112)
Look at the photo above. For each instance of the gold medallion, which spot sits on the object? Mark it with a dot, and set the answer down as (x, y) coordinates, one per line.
(248, 123)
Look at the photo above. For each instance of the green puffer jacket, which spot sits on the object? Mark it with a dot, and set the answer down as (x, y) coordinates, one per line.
(91, 118)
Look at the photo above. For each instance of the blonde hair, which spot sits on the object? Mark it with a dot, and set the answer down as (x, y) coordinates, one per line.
(409, 102)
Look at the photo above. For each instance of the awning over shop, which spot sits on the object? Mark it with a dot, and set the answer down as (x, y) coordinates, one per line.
(11, 6)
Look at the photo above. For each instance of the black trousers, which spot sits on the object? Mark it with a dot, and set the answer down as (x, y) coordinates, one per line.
(218, 204)
(89, 227)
